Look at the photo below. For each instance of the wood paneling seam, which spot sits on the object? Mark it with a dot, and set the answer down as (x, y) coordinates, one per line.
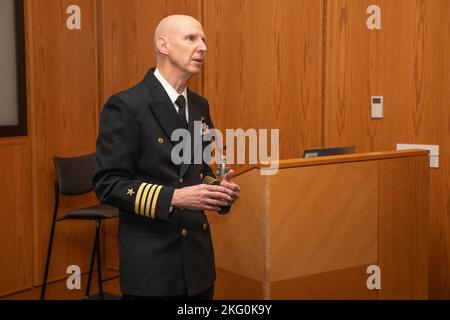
(324, 71)
(266, 232)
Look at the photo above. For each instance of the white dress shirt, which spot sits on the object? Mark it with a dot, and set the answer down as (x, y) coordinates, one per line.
(172, 93)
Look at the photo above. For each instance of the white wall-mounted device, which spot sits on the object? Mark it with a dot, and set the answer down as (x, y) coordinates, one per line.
(434, 151)
(376, 103)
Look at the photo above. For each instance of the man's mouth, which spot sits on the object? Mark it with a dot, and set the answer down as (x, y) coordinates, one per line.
(198, 60)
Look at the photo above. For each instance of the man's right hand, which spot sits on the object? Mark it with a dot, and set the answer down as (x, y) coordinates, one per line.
(202, 197)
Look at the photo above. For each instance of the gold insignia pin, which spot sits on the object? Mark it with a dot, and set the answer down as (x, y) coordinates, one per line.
(130, 192)
(160, 140)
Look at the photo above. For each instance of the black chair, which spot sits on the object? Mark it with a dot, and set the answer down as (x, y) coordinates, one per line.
(74, 177)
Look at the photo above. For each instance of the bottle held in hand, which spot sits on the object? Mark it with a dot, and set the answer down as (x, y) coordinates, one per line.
(221, 171)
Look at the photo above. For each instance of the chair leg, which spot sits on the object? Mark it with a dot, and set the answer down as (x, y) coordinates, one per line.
(50, 244)
(47, 263)
(99, 265)
(91, 267)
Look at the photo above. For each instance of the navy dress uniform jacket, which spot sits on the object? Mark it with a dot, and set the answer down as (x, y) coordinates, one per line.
(161, 253)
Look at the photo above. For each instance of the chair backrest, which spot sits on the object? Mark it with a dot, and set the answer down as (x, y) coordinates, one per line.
(75, 174)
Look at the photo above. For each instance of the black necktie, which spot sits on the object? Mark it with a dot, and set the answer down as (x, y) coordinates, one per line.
(181, 103)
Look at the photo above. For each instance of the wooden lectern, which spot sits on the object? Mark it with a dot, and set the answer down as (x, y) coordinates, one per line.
(327, 228)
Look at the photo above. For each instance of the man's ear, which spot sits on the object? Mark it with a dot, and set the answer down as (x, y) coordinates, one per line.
(162, 43)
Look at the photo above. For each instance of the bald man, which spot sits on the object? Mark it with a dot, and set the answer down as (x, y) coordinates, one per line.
(165, 242)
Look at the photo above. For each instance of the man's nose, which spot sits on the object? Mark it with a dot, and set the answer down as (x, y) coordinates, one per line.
(202, 46)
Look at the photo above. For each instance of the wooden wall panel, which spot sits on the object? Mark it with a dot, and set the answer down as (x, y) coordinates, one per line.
(63, 106)
(435, 90)
(126, 52)
(407, 62)
(264, 68)
(15, 219)
(126, 39)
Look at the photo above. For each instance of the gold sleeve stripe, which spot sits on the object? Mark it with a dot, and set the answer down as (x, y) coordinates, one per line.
(154, 201)
(144, 199)
(138, 198)
(149, 200)
(209, 180)
(206, 180)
